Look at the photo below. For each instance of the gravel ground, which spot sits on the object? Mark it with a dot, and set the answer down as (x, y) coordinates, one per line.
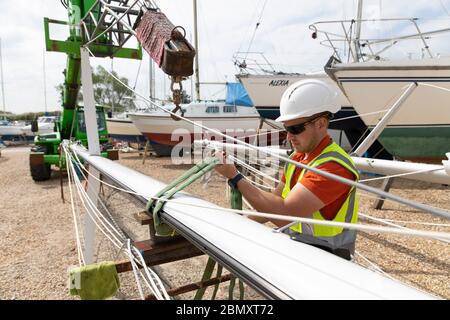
(37, 242)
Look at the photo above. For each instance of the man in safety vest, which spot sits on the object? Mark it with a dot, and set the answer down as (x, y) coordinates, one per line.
(306, 109)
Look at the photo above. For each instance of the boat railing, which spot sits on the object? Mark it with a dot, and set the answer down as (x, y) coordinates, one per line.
(253, 62)
(342, 37)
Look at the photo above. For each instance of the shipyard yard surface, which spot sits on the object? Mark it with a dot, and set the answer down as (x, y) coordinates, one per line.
(37, 241)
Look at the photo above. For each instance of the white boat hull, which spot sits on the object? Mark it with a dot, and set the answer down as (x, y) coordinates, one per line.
(423, 119)
(162, 131)
(266, 90)
(124, 130)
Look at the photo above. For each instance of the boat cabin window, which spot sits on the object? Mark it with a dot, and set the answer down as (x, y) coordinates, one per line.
(229, 109)
(212, 109)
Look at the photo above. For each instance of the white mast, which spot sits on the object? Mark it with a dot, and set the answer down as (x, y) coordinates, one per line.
(358, 30)
(151, 76)
(197, 74)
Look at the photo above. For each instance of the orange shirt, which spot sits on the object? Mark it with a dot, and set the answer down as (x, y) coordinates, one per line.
(329, 191)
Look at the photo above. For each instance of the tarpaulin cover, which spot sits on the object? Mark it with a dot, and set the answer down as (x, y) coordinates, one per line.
(237, 95)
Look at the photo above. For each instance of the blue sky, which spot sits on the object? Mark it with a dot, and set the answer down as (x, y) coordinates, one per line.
(224, 28)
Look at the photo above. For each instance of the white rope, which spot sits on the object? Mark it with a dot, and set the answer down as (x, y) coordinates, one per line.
(80, 254)
(386, 222)
(374, 266)
(250, 168)
(401, 174)
(264, 186)
(155, 288)
(433, 86)
(443, 225)
(366, 180)
(360, 115)
(350, 226)
(151, 275)
(135, 272)
(85, 198)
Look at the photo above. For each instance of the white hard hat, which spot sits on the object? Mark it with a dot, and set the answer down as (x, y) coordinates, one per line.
(306, 98)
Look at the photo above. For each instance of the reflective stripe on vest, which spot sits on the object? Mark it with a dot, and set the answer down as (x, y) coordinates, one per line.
(333, 237)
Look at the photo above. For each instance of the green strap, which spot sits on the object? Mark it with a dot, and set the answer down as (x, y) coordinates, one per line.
(241, 290)
(236, 203)
(231, 287)
(206, 276)
(177, 185)
(216, 287)
(236, 199)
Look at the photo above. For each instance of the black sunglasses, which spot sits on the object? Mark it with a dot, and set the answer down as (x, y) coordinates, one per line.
(299, 128)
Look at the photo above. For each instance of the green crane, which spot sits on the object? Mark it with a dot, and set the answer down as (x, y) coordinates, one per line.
(103, 26)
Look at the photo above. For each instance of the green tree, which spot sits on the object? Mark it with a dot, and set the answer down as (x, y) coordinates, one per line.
(185, 98)
(107, 91)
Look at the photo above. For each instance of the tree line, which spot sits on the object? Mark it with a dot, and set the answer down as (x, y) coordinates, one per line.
(107, 92)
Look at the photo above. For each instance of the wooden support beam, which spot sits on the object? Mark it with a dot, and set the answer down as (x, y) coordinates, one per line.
(161, 253)
(193, 286)
(143, 218)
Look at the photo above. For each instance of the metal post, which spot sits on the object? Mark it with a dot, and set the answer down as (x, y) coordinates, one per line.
(45, 83)
(365, 145)
(197, 71)
(90, 115)
(2, 80)
(112, 86)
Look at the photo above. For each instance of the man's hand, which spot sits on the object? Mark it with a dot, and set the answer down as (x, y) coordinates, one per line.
(229, 171)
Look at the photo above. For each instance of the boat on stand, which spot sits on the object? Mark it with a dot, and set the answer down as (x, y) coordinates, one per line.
(265, 86)
(420, 127)
(121, 128)
(236, 118)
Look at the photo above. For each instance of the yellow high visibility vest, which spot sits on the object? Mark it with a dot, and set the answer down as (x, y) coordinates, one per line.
(333, 237)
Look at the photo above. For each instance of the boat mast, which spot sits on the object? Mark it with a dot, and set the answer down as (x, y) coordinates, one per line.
(358, 31)
(197, 75)
(151, 84)
(1, 74)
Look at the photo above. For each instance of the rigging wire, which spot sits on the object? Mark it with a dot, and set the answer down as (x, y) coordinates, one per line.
(256, 29)
(249, 26)
(444, 7)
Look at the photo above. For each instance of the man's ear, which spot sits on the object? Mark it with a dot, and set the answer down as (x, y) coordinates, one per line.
(322, 122)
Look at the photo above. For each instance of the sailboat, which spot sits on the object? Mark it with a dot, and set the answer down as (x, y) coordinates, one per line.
(235, 117)
(121, 128)
(420, 130)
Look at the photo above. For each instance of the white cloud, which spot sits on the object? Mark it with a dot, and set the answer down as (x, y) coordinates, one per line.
(224, 27)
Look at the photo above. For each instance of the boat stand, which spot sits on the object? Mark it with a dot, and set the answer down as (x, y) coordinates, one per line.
(386, 186)
(161, 250)
(376, 132)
